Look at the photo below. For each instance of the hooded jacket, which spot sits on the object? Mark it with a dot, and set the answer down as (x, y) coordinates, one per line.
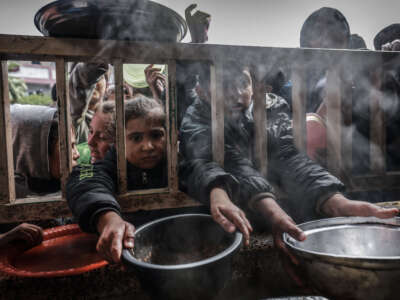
(307, 184)
(30, 137)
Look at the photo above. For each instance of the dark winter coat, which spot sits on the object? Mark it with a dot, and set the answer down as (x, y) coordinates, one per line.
(306, 183)
(91, 189)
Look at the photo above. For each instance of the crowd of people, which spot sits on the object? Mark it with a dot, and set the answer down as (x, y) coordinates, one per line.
(237, 195)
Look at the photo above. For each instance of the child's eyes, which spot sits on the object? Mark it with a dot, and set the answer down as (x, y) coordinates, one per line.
(137, 138)
(157, 134)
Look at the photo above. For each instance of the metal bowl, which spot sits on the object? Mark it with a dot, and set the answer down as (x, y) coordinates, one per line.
(350, 257)
(185, 256)
(132, 20)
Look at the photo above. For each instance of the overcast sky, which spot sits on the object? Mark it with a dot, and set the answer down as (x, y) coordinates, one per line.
(274, 23)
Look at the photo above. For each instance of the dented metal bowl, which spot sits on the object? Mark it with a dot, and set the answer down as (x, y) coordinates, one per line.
(350, 257)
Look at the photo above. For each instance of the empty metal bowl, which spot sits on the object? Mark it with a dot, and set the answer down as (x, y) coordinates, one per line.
(185, 256)
(350, 257)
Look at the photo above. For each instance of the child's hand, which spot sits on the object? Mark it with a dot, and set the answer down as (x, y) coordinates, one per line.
(30, 234)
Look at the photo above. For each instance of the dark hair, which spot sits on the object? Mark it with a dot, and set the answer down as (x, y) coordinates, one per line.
(357, 42)
(325, 18)
(386, 35)
(106, 107)
(140, 106)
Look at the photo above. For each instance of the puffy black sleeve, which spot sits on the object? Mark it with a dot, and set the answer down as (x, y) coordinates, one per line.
(306, 183)
(91, 190)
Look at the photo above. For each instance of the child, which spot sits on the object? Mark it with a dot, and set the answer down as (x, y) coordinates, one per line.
(91, 189)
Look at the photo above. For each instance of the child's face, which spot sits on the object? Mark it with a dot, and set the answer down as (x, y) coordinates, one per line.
(98, 141)
(145, 142)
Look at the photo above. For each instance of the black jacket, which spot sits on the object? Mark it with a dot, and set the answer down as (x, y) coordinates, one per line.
(305, 182)
(91, 188)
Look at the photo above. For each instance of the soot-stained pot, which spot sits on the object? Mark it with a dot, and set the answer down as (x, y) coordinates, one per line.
(185, 256)
(131, 20)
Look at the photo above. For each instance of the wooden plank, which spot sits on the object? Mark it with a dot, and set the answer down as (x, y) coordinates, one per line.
(120, 121)
(217, 112)
(7, 184)
(83, 49)
(260, 123)
(172, 141)
(137, 202)
(377, 125)
(47, 48)
(333, 122)
(299, 106)
(51, 207)
(64, 124)
(375, 182)
(347, 114)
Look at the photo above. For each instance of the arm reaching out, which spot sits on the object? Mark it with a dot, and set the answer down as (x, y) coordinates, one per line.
(198, 24)
(115, 234)
(30, 234)
(228, 215)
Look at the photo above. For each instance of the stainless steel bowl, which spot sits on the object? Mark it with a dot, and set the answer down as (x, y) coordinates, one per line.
(350, 257)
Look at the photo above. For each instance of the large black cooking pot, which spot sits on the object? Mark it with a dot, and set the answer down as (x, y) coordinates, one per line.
(185, 256)
(132, 20)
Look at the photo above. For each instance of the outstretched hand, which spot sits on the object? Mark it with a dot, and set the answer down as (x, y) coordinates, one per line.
(198, 24)
(156, 80)
(339, 206)
(228, 215)
(30, 234)
(280, 223)
(115, 234)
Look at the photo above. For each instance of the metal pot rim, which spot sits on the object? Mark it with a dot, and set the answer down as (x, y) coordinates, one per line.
(127, 256)
(364, 261)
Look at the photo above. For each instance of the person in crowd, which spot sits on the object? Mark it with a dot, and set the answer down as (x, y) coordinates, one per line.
(186, 74)
(357, 42)
(100, 138)
(384, 38)
(198, 23)
(91, 189)
(92, 115)
(388, 39)
(29, 234)
(87, 86)
(324, 28)
(238, 187)
(36, 149)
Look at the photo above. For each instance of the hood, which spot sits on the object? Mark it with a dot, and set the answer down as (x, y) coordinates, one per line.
(326, 18)
(30, 133)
